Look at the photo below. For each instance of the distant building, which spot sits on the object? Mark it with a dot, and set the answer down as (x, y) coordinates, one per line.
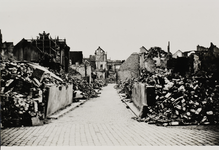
(103, 68)
(48, 52)
(6, 50)
(92, 65)
(178, 53)
(26, 51)
(84, 69)
(153, 58)
(209, 58)
(214, 50)
(202, 48)
(113, 67)
(76, 57)
(100, 60)
(188, 53)
(143, 52)
(92, 61)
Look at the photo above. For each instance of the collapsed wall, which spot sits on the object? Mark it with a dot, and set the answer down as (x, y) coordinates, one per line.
(130, 68)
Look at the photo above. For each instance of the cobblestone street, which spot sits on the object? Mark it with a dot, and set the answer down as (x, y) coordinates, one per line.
(105, 121)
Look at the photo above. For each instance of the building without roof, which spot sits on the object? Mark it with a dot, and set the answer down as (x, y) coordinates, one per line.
(48, 52)
(209, 58)
(98, 63)
(113, 66)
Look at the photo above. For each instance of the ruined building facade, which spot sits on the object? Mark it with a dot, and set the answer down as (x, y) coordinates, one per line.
(98, 62)
(6, 50)
(48, 52)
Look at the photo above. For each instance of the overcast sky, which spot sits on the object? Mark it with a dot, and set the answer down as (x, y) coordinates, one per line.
(120, 27)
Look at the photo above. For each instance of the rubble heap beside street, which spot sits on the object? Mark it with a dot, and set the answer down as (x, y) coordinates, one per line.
(24, 92)
(180, 100)
(185, 96)
(192, 100)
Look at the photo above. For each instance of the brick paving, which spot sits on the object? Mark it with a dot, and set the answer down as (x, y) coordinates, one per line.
(105, 121)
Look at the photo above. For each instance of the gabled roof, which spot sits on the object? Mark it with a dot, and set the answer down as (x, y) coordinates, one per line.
(99, 49)
(177, 54)
(143, 50)
(25, 42)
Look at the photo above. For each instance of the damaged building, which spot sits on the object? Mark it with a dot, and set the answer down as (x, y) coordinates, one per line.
(101, 63)
(185, 92)
(76, 57)
(102, 68)
(201, 60)
(209, 58)
(98, 63)
(197, 61)
(81, 66)
(153, 58)
(48, 52)
(6, 49)
(113, 67)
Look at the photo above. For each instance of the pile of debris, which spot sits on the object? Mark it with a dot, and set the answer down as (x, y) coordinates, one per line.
(126, 87)
(24, 91)
(182, 100)
(84, 90)
(23, 88)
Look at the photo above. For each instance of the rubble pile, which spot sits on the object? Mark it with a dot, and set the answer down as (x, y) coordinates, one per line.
(23, 89)
(82, 89)
(182, 100)
(85, 89)
(126, 87)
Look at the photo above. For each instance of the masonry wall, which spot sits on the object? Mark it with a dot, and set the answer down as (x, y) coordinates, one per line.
(143, 95)
(58, 98)
(126, 74)
(81, 70)
(130, 68)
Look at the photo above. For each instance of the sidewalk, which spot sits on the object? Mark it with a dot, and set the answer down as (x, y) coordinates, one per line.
(67, 109)
(129, 105)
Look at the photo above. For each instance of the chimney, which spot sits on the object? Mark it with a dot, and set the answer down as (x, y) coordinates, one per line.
(0, 37)
(168, 47)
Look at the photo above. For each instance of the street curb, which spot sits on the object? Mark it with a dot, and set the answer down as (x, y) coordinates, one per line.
(129, 105)
(67, 109)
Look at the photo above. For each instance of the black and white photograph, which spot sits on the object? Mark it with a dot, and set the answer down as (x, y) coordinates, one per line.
(109, 74)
